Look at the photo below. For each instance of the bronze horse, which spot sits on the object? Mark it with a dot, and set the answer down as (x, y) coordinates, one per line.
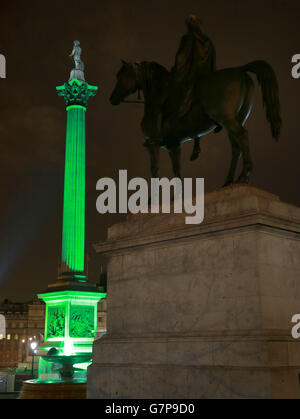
(224, 99)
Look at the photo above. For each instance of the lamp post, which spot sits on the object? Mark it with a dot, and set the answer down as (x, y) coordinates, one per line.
(33, 346)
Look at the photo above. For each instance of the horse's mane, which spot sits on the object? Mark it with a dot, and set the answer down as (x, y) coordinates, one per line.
(154, 79)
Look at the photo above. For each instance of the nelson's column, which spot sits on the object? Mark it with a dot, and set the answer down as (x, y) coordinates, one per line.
(71, 302)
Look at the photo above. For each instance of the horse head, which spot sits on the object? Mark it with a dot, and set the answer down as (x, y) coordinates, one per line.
(127, 83)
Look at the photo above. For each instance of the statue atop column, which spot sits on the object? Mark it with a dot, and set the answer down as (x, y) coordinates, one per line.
(78, 71)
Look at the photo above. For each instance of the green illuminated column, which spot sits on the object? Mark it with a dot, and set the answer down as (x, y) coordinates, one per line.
(76, 94)
(71, 302)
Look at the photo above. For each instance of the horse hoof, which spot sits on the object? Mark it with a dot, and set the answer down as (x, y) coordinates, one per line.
(244, 180)
(227, 184)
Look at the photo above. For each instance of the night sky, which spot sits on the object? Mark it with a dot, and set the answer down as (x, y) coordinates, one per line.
(37, 36)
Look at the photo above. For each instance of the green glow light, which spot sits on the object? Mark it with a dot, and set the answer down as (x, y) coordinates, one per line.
(68, 347)
(71, 315)
(76, 94)
(76, 81)
(73, 238)
(70, 326)
(76, 107)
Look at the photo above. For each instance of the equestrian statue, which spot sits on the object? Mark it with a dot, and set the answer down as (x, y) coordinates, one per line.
(194, 99)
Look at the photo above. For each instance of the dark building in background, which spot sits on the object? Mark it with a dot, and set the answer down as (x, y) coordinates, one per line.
(24, 323)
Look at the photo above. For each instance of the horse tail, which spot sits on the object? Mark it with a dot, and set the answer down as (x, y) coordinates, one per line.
(270, 93)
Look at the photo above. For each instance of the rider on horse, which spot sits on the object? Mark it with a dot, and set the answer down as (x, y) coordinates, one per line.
(196, 56)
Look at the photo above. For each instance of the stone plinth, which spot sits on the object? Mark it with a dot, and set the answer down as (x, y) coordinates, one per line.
(202, 311)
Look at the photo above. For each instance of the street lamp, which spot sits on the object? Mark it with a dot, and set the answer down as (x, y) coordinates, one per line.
(33, 346)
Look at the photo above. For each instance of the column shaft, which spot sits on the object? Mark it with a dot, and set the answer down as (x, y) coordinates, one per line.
(73, 234)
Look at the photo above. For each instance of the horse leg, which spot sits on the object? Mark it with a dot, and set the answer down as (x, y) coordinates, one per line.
(175, 153)
(247, 105)
(196, 149)
(153, 149)
(239, 140)
(247, 161)
(236, 154)
(240, 145)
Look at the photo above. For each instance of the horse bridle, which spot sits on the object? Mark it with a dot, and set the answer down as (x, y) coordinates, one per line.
(136, 69)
